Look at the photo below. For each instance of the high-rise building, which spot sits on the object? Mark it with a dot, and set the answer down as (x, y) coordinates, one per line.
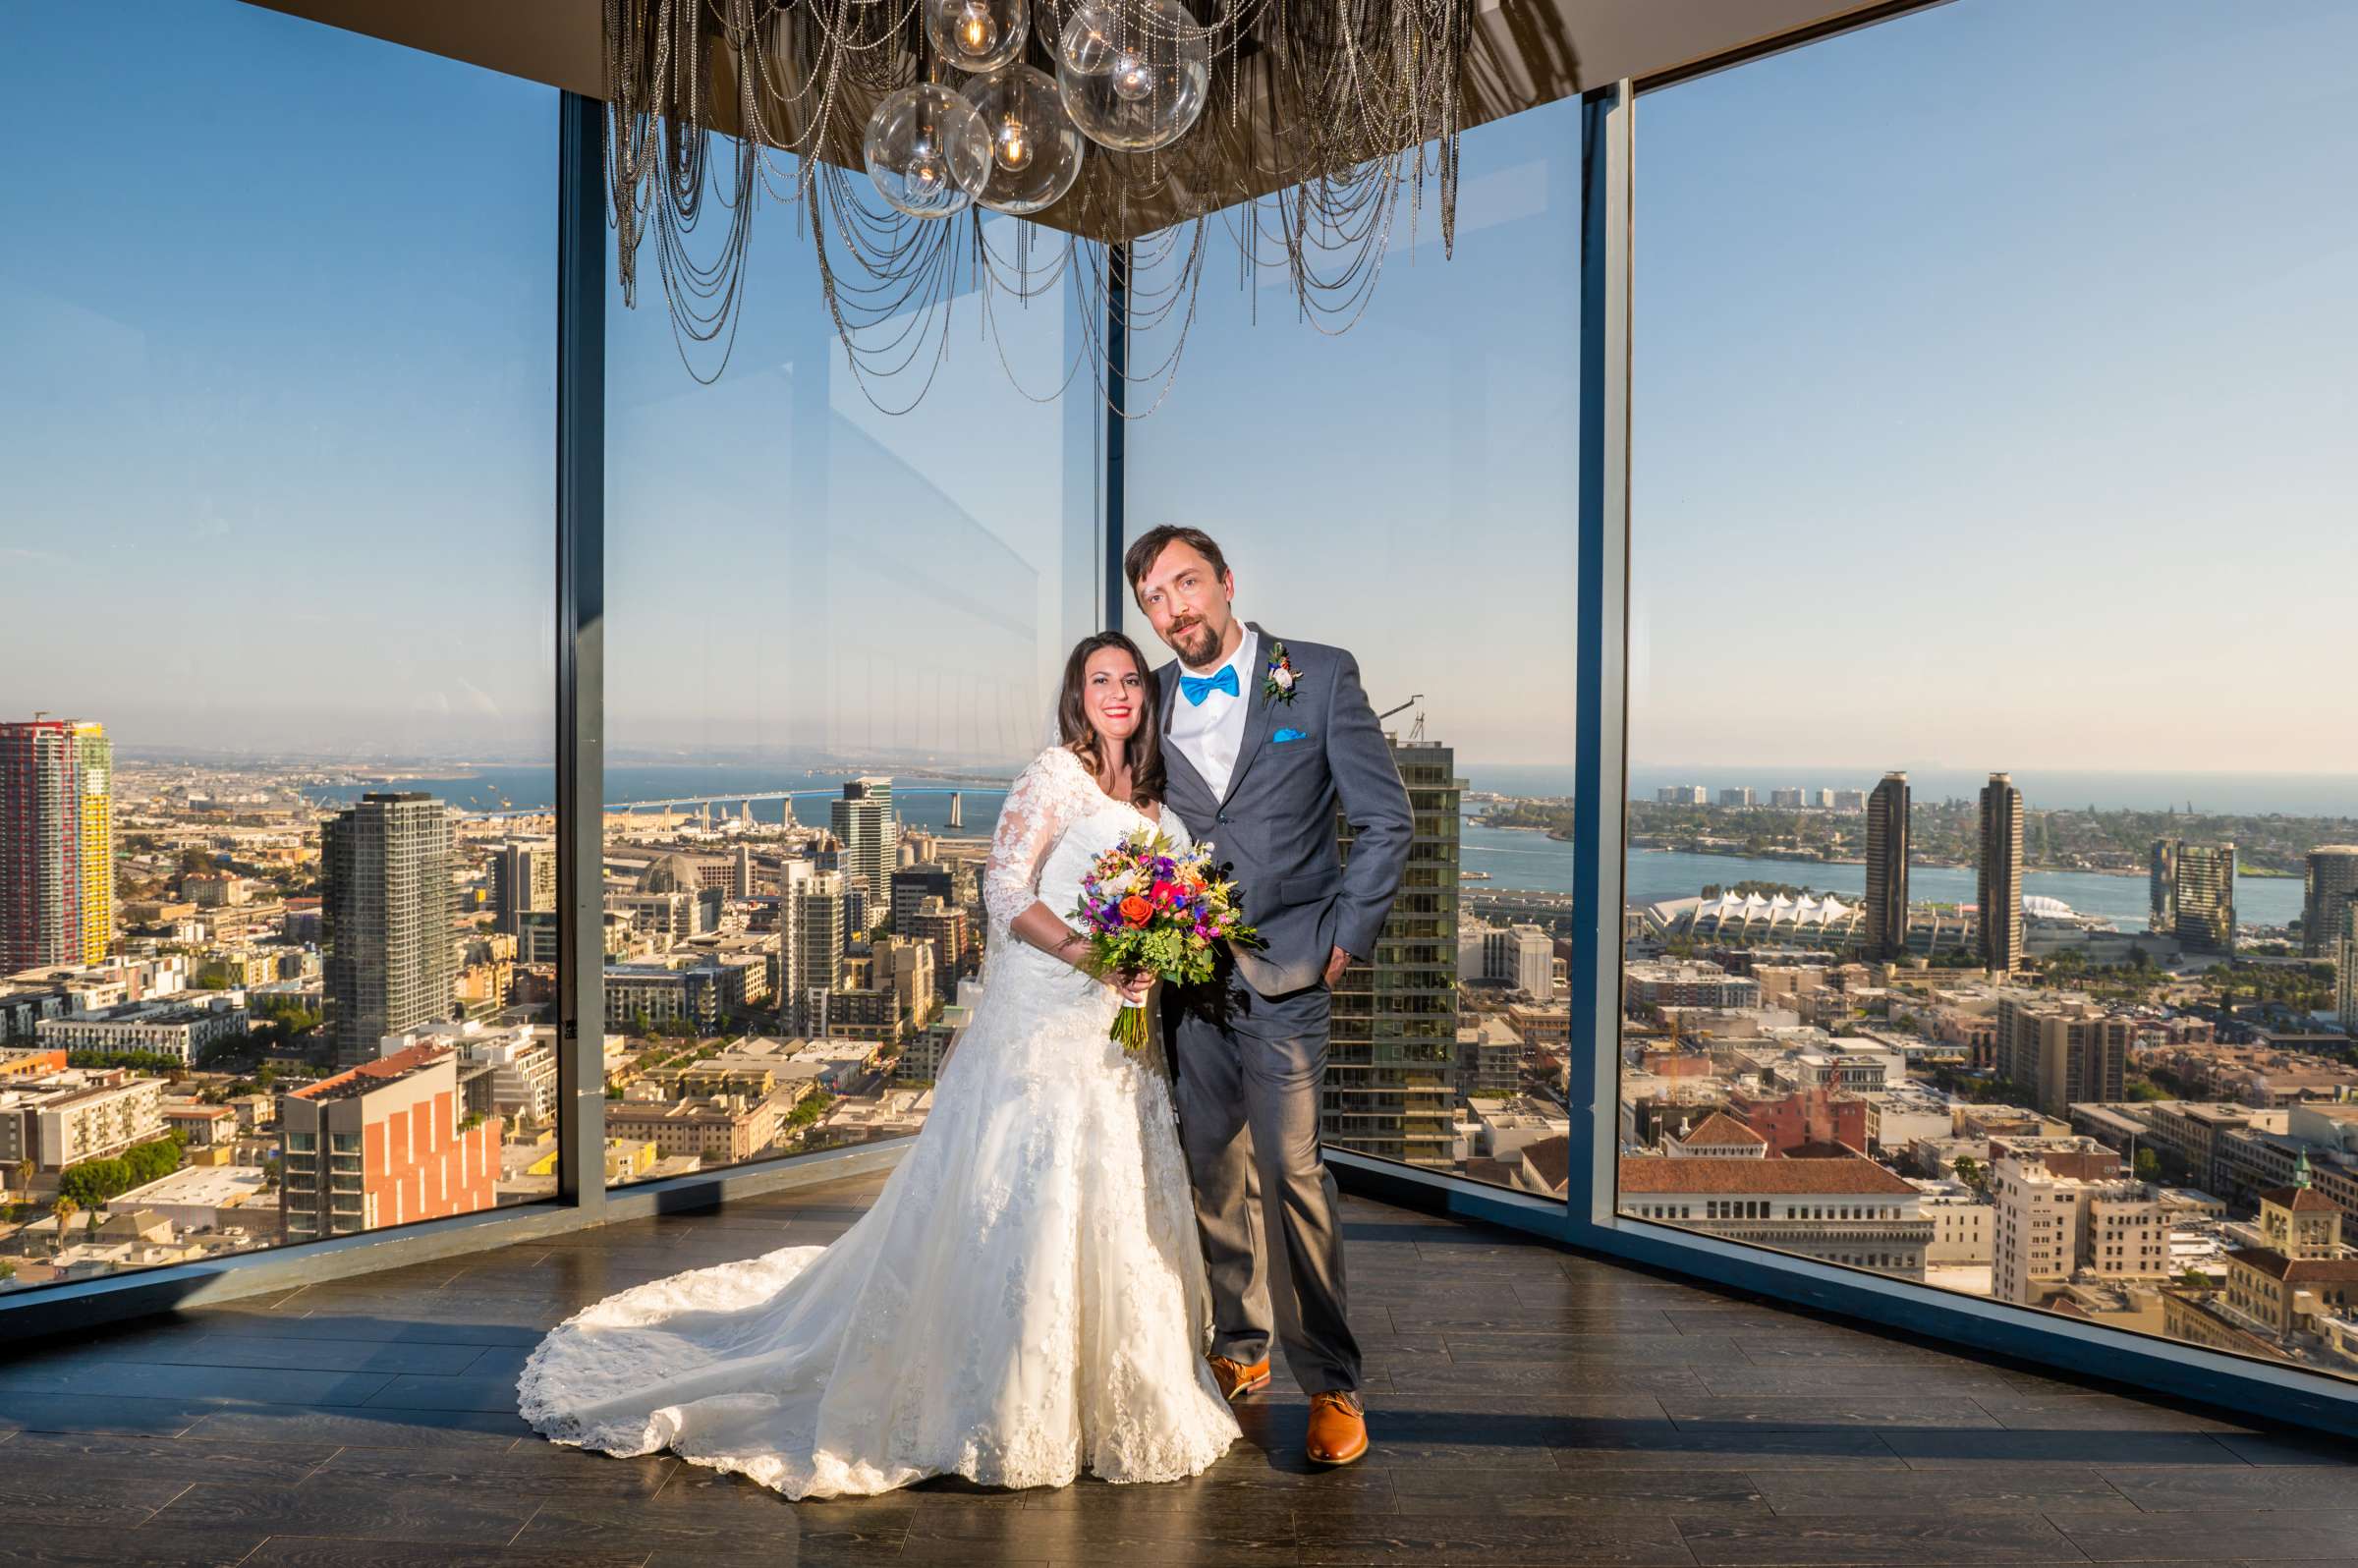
(1887, 868)
(2346, 966)
(1740, 796)
(524, 881)
(944, 926)
(1392, 1054)
(382, 1144)
(57, 843)
(2066, 1051)
(913, 885)
(870, 834)
(814, 933)
(387, 903)
(2162, 886)
(2332, 876)
(2192, 890)
(1998, 879)
(741, 874)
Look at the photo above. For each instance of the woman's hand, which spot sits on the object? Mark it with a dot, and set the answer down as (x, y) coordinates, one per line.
(1132, 983)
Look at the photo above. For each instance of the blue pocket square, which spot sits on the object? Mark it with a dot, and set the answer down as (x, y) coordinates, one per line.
(1283, 736)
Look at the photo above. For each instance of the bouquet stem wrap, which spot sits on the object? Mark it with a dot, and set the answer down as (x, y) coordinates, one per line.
(1130, 1026)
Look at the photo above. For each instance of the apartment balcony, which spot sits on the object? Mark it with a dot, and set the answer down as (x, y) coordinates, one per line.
(1529, 1405)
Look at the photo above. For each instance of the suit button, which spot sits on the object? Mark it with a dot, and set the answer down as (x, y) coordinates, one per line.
(1223, 817)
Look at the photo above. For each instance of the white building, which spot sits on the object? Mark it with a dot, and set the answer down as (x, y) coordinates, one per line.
(68, 1117)
(1962, 1223)
(1522, 957)
(1847, 1210)
(1898, 1117)
(206, 1198)
(2067, 1214)
(523, 1059)
(180, 1028)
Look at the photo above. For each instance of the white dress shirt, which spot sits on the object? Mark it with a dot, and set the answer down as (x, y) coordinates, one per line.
(1211, 733)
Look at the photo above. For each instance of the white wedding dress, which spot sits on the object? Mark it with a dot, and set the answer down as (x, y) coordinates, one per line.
(1026, 1299)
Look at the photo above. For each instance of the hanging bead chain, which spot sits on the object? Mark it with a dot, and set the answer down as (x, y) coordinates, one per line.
(1346, 96)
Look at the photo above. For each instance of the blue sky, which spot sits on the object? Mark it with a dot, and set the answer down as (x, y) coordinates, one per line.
(278, 313)
(1992, 410)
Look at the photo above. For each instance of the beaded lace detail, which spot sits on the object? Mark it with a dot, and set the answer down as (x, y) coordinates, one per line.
(1025, 1300)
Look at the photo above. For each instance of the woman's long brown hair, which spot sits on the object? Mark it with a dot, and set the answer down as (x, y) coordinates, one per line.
(1144, 746)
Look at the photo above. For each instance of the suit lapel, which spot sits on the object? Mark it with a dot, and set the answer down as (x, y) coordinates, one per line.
(1263, 718)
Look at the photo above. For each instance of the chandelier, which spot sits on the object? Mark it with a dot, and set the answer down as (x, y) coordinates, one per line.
(1118, 135)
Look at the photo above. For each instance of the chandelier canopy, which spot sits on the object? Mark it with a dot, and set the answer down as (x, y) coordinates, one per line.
(905, 128)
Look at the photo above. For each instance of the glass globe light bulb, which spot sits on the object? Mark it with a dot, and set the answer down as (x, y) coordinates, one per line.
(978, 30)
(928, 150)
(976, 36)
(1133, 77)
(1014, 145)
(1034, 148)
(1155, 78)
(1088, 43)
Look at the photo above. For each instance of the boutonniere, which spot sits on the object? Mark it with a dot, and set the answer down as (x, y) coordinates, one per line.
(1278, 680)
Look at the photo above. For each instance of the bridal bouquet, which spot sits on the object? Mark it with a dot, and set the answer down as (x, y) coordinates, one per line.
(1149, 909)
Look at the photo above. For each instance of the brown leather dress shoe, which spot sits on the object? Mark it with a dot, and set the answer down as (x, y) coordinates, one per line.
(1237, 1380)
(1338, 1429)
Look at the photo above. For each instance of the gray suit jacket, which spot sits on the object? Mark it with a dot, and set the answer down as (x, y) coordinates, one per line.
(1275, 824)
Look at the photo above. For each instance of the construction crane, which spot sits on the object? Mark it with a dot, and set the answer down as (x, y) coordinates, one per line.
(1416, 731)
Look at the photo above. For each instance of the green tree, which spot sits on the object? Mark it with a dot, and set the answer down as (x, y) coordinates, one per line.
(2149, 1165)
(64, 1210)
(2195, 1279)
(1969, 1171)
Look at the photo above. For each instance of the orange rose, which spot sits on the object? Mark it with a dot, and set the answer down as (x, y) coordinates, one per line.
(1135, 910)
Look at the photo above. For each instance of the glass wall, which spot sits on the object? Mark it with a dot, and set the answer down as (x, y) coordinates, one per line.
(277, 539)
(1987, 850)
(834, 635)
(1407, 490)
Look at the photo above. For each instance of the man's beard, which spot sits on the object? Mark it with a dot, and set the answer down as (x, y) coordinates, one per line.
(1197, 644)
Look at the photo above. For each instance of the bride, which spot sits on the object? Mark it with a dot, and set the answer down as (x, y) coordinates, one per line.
(1026, 1299)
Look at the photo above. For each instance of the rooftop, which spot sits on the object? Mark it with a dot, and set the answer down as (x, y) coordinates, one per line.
(372, 1075)
(1853, 1175)
(1529, 1405)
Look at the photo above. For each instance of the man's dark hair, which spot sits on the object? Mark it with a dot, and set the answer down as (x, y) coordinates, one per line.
(1140, 557)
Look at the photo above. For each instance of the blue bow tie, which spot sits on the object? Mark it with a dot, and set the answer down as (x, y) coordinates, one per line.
(1197, 688)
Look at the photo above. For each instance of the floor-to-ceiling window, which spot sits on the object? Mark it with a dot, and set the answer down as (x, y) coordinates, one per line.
(835, 633)
(278, 641)
(1406, 490)
(1991, 801)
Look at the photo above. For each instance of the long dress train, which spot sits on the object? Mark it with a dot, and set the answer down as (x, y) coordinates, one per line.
(1024, 1301)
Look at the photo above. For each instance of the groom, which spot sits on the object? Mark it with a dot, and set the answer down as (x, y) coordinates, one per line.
(1263, 739)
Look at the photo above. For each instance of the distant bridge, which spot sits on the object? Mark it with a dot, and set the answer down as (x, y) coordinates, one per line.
(732, 797)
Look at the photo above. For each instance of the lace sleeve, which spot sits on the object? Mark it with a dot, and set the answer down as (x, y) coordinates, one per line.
(1038, 805)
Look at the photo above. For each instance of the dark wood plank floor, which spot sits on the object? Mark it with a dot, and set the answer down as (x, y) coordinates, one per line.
(1528, 1407)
